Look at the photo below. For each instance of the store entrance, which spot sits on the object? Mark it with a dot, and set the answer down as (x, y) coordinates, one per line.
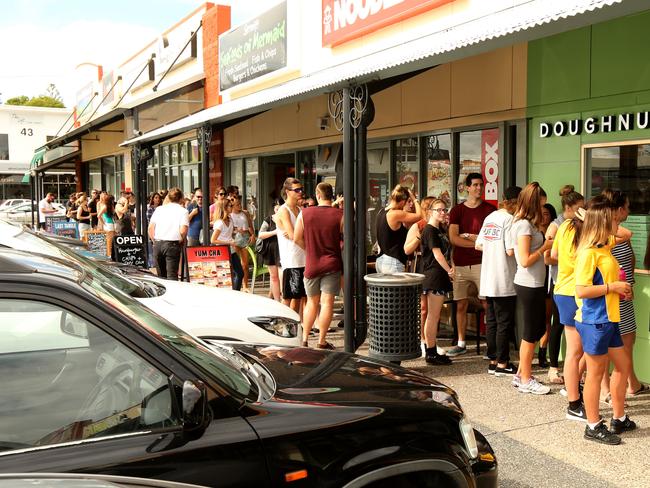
(275, 169)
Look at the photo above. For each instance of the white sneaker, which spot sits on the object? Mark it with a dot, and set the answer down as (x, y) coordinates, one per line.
(563, 392)
(441, 351)
(533, 386)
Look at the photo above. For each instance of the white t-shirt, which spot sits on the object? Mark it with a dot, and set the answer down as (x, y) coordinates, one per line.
(497, 268)
(291, 254)
(44, 205)
(225, 231)
(239, 220)
(533, 276)
(168, 220)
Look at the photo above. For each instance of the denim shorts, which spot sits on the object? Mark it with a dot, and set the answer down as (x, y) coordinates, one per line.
(598, 338)
(567, 308)
(389, 265)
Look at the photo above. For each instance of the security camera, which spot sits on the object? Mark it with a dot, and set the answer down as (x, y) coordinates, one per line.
(137, 132)
(323, 123)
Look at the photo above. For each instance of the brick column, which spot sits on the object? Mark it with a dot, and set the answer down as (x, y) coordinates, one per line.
(216, 20)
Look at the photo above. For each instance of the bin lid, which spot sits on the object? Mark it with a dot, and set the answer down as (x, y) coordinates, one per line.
(397, 279)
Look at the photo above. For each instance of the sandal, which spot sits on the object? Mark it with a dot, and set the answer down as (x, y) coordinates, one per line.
(554, 377)
(608, 401)
(642, 389)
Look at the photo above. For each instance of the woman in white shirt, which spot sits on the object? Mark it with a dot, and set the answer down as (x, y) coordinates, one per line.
(223, 234)
(243, 234)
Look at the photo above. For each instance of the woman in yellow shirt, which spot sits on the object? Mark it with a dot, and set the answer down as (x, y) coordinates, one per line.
(598, 291)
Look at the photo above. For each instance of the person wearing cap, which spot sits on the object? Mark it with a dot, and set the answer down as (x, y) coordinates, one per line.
(498, 268)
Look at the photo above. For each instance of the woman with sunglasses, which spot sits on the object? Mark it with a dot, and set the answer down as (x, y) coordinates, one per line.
(438, 272)
(223, 235)
(244, 235)
(219, 196)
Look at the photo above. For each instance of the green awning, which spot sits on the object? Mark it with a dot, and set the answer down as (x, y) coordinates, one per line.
(36, 160)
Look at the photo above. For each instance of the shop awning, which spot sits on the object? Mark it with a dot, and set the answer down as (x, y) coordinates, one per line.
(524, 21)
(99, 122)
(37, 159)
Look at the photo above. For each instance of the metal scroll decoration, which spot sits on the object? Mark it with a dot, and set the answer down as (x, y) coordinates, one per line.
(358, 102)
(204, 135)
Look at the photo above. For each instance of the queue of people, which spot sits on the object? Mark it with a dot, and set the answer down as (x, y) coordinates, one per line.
(533, 264)
(101, 211)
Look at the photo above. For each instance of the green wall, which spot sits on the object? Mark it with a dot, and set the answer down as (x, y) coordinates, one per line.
(602, 69)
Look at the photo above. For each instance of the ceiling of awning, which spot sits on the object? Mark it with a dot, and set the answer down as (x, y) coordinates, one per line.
(525, 21)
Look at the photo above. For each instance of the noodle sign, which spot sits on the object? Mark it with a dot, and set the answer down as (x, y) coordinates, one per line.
(129, 250)
(209, 265)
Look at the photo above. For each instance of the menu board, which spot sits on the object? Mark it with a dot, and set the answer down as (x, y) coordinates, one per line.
(640, 227)
(51, 219)
(130, 250)
(210, 265)
(65, 229)
(98, 242)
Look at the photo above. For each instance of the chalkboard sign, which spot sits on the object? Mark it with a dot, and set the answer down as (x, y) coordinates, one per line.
(210, 265)
(50, 221)
(129, 250)
(65, 229)
(98, 242)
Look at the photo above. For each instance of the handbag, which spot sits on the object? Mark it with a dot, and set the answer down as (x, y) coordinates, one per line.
(259, 245)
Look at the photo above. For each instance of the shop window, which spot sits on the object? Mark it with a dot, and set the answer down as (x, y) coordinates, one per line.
(165, 156)
(237, 173)
(194, 151)
(108, 170)
(252, 182)
(307, 172)
(625, 168)
(407, 163)
(378, 175)
(437, 156)
(95, 175)
(478, 153)
(173, 153)
(182, 153)
(4, 147)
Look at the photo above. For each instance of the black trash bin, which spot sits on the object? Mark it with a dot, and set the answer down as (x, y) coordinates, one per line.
(394, 315)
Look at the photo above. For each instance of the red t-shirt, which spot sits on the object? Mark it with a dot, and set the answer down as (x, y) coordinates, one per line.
(322, 236)
(469, 221)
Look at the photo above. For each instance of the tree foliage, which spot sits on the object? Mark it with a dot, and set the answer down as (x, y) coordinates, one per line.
(51, 98)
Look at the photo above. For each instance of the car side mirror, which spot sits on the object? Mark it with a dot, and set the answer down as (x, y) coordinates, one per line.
(73, 326)
(194, 405)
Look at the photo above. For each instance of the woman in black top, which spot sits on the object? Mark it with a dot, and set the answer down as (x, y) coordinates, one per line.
(391, 234)
(436, 256)
(269, 253)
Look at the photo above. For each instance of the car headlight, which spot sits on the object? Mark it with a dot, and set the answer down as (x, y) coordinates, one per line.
(467, 431)
(280, 326)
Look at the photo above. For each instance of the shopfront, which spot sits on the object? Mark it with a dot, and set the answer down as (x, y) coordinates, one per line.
(590, 126)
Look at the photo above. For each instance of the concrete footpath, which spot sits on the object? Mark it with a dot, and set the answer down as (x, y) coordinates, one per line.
(535, 445)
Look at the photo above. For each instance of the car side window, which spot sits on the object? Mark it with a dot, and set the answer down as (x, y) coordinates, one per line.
(64, 379)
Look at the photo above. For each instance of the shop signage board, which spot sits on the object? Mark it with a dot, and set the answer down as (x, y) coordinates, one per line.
(51, 219)
(345, 20)
(65, 229)
(97, 241)
(490, 165)
(595, 124)
(130, 250)
(254, 49)
(210, 265)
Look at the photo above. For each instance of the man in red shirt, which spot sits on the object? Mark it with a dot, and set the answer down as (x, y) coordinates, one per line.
(465, 221)
(318, 231)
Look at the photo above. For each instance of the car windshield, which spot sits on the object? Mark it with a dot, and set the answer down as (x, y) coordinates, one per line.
(16, 237)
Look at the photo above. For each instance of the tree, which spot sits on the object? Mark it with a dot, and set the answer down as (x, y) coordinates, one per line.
(21, 100)
(51, 98)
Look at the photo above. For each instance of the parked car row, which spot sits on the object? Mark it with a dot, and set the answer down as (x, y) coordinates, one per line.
(21, 213)
(95, 381)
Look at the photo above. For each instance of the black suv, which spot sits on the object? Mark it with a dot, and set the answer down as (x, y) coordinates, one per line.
(92, 381)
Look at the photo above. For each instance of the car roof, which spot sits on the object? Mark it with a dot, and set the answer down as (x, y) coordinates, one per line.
(20, 262)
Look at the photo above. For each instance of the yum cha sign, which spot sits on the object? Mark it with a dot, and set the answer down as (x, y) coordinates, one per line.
(344, 20)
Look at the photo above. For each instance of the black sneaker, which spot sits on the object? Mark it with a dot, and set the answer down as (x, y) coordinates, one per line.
(492, 368)
(578, 414)
(620, 426)
(602, 434)
(437, 359)
(509, 370)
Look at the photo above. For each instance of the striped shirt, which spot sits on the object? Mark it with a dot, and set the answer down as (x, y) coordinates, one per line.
(624, 254)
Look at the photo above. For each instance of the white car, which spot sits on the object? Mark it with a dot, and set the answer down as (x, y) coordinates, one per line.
(7, 204)
(22, 213)
(199, 310)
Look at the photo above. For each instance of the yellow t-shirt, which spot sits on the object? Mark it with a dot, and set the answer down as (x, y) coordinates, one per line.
(597, 266)
(565, 284)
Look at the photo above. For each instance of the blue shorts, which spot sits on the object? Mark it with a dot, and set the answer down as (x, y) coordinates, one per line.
(598, 338)
(567, 307)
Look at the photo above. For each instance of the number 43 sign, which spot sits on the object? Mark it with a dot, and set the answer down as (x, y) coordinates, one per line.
(27, 132)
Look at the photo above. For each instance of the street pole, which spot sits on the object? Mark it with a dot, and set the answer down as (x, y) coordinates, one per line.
(348, 226)
(204, 135)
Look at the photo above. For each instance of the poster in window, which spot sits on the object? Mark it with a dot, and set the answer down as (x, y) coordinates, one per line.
(209, 265)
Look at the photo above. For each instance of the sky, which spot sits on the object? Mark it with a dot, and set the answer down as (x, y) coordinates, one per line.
(42, 41)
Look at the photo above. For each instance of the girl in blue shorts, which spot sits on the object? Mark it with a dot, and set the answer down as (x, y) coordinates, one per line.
(597, 318)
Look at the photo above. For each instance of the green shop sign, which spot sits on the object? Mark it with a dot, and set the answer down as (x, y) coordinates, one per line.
(254, 49)
(595, 124)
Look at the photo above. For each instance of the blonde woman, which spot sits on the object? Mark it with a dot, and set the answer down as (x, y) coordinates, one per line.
(598, 293)
(244, 235)
(223, 234)
(83, 214)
